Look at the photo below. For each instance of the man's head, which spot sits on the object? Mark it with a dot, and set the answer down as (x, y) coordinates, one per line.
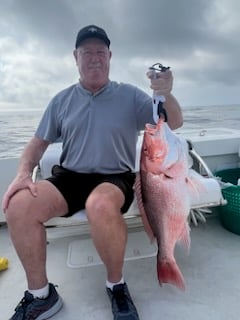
(92, 57)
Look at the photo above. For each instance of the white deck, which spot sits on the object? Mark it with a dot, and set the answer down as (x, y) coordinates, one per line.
(211, 273)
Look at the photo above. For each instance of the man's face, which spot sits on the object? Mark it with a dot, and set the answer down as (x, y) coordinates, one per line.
(93, 61)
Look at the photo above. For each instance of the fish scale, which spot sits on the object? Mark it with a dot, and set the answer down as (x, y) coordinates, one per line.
(162, 191)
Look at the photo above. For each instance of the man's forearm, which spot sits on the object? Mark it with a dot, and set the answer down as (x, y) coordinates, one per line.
(174, 112)
(31, 156)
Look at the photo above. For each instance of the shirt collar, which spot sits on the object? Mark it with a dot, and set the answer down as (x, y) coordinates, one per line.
(108, 85)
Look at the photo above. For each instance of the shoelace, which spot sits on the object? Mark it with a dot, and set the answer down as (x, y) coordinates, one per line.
(26, 300)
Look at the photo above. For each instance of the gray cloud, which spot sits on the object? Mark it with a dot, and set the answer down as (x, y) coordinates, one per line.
(197, 38)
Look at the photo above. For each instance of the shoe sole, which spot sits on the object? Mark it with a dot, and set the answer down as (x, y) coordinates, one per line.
(51, 312)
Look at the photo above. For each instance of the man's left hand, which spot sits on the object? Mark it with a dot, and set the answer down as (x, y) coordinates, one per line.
(163, 83)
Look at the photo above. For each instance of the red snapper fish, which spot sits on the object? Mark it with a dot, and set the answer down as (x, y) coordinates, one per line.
(163, 196)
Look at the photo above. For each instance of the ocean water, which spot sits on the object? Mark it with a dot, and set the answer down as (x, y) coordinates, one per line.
(18, 126)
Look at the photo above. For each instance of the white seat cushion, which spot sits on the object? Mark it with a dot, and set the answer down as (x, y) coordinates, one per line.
(209, 191)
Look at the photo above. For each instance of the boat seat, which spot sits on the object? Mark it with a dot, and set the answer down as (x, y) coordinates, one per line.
(210, 191)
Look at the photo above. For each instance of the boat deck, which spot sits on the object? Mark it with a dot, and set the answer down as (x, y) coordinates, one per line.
(211, 273)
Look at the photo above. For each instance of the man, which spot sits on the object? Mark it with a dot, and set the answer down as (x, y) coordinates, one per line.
(98, 121)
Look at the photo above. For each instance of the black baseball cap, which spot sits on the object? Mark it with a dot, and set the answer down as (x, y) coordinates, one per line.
(91, 31)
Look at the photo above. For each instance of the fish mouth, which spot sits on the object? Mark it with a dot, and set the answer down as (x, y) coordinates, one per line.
(150, 128)
(155, 145)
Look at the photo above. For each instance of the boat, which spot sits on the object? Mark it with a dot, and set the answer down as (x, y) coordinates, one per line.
(210, 270)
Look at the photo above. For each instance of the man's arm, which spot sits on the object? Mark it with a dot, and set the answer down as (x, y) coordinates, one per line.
(174, 112)
(162, 85)
(31, 156)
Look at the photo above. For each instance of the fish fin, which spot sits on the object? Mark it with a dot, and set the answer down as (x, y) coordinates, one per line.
(184, 238)
(146, 225)
(195, 186)
(169, 272)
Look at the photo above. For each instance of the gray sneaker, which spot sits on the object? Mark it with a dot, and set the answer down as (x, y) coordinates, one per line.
(122, 304)
(38, 309)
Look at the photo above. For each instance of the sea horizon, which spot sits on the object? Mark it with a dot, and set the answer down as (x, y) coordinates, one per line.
(17, 126)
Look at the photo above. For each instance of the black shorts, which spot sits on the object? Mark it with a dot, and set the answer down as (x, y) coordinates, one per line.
(76, 187)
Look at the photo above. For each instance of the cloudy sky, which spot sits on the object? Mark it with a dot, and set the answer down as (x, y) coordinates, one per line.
(199, 39)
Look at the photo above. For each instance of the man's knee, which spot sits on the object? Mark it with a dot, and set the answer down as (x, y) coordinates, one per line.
(19, 205)
(100, 205)
(48, 203)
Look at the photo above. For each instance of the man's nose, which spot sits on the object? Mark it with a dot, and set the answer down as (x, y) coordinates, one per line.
(95, 56)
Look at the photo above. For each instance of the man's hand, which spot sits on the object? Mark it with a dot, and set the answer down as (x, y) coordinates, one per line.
(19, 183)
(162, 83)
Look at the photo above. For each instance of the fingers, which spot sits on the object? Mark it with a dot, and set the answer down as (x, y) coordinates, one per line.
(13, 189)
(151, 74)
(7, 196)
(162, 84)
(33, 189)
(5, 203)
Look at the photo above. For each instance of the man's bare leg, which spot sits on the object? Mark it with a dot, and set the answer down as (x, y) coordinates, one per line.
(108, 227)
(25, 217)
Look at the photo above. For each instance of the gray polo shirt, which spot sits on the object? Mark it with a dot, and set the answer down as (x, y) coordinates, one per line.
(99, 131)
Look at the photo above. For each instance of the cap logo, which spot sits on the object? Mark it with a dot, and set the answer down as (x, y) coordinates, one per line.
(92, 29)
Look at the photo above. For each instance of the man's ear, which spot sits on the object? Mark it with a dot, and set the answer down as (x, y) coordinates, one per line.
(75, 54)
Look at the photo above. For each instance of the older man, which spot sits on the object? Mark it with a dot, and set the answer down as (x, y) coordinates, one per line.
(98, 121)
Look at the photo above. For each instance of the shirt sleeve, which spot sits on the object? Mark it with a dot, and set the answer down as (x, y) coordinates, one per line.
(49, 128)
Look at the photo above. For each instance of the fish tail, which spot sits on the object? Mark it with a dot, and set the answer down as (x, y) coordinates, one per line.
(169, 272)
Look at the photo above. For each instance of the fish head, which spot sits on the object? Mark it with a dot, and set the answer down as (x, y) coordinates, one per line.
(155, 147)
